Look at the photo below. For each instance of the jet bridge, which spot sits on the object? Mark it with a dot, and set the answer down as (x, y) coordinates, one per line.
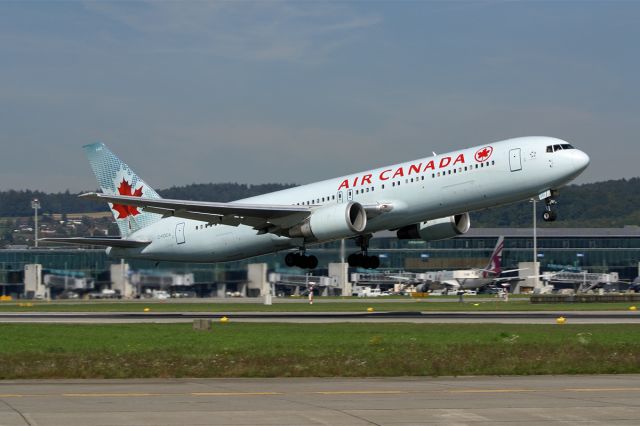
(583, 282)
(396, 279)
(293, 284)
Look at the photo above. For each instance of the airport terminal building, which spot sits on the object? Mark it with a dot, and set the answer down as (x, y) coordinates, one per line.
(600, 250)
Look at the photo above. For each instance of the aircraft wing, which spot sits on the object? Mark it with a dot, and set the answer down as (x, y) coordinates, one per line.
(263, 217)
(98, 241)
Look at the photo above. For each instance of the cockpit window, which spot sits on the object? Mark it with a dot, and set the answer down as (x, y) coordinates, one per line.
(559, 147)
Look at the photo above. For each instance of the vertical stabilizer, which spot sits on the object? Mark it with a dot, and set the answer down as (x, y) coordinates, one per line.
(495, 262)
(115, 177)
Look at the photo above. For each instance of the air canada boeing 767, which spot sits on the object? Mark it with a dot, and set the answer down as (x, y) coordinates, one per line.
(429, 199)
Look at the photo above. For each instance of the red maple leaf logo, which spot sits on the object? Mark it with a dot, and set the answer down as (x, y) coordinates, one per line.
(483, 154)
(125, 211)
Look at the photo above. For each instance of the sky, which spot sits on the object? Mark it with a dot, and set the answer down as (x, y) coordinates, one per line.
(293, 92)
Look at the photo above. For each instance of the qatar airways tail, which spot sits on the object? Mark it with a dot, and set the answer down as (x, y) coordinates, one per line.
(429, 198)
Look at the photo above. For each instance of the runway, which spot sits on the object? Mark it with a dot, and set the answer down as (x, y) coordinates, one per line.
(537, 400)
(519, 317)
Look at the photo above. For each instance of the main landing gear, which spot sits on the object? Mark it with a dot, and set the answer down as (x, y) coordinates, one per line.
(550, 202)
(362, 259)
(301, 260)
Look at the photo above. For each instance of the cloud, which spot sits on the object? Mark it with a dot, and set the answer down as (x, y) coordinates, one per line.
(260, 31)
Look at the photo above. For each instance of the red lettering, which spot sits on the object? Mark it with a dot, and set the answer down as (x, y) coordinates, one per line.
(430, 165)
(366, 179)
(459, 159)
(415, 168)
(355, 181)
(382, 175)
(344, 184)
(399, 172)
(445, 161)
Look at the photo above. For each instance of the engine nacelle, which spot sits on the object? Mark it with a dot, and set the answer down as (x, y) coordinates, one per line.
(437, 229)
(332, 222)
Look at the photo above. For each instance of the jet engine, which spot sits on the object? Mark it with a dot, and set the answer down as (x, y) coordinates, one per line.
(437, 229)
(332, 222)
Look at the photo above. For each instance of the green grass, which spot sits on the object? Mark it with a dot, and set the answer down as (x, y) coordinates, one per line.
(327, 305)
(30, 351)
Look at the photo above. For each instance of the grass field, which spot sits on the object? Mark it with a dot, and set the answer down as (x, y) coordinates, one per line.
(29, 351)
(327, 305)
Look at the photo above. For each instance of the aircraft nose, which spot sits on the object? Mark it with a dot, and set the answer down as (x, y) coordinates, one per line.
(581, 160)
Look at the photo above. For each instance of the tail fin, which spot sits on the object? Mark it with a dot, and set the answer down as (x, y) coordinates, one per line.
(115, 177)
(495, 262)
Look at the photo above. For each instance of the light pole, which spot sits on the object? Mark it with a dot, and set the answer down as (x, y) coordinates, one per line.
(35, 205)
(536, 270)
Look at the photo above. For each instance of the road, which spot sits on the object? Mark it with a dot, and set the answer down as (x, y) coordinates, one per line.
(519, 317)
(537, 400)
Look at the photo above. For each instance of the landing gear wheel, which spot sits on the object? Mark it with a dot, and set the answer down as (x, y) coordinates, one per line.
(312, 262)
(301, 261)
(360, 260)
(290, 260)
(549, 216)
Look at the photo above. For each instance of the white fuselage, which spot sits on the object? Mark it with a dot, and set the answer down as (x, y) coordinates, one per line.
(420, 190)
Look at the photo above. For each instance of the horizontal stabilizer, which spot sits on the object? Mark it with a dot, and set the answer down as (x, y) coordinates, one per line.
(98, 241)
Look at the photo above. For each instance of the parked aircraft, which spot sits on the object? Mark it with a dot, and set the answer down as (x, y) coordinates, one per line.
(428, 198)
(474, 278)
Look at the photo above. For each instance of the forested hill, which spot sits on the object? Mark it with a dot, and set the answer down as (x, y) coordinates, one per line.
(612, 203)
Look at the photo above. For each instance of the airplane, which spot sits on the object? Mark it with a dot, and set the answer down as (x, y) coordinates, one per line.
(429, 199)
(469, 279)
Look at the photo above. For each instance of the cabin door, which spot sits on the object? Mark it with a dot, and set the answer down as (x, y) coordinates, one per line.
(515, 161)
(180, 233)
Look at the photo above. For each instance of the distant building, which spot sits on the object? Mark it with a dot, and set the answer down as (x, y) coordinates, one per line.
(595, 249)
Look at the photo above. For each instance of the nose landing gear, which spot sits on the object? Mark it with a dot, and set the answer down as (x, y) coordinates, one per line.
(549, 214)
(301, 260)
(362, 258)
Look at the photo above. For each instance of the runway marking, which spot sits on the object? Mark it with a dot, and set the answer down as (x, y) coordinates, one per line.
(494, 390)
(120, 394)
(603, 390)
(326, 393)
(235, 393)
(363, 392)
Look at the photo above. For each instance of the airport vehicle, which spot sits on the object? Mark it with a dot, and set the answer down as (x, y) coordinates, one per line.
(429, 199)
(468, 279)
